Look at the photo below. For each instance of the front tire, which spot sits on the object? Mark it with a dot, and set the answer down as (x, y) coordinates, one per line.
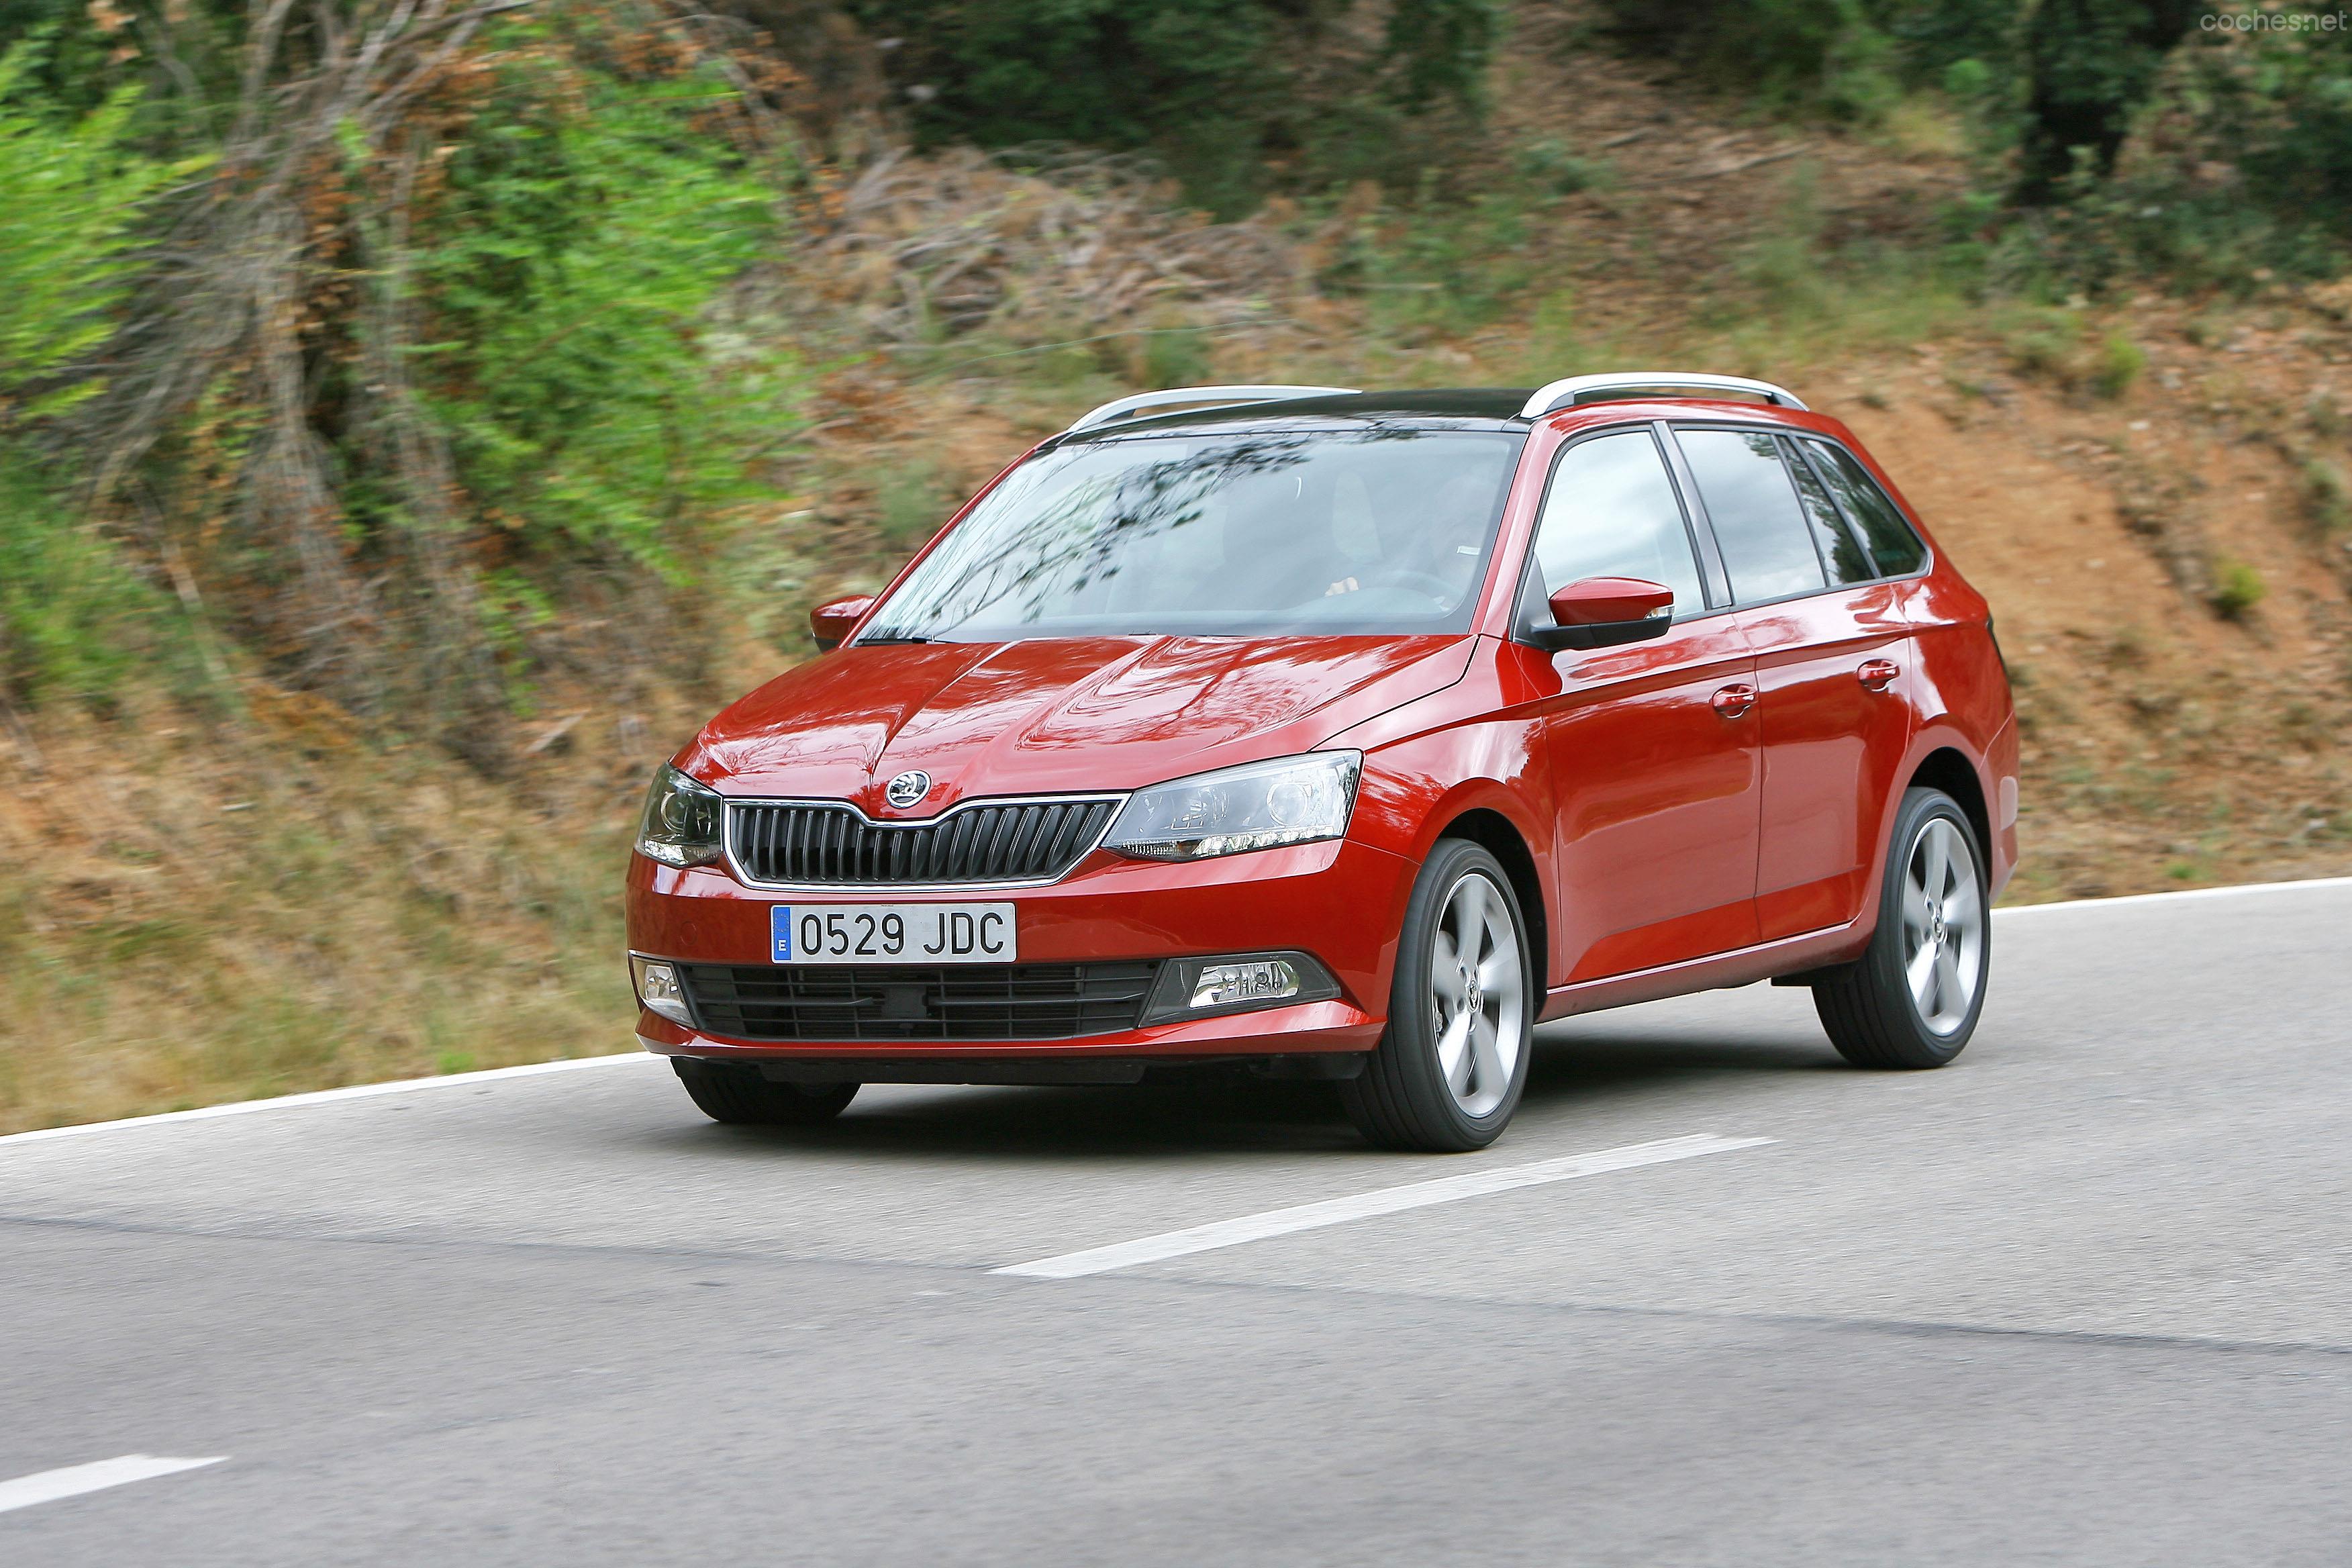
(1462, 1010)
(1911, 1000)
(742, 1097)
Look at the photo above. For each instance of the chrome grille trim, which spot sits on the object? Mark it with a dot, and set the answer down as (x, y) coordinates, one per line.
(844, 849)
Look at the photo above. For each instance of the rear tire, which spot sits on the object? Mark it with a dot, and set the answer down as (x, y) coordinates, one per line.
(1449, 1071)
(1911, 1000)
(740, 1096)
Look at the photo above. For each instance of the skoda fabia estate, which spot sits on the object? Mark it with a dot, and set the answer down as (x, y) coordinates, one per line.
(1348, 735)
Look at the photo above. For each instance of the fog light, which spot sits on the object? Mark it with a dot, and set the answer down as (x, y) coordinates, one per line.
(1201, 987)
(659, 989)
(1259, 980)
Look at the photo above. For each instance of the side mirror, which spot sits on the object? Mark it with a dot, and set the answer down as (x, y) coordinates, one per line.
(1604, 612)
(831, 623)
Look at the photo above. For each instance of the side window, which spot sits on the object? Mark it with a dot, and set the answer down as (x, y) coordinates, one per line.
(1613, 513)
(1892, 546)
(1847, 564)
(1766, 544)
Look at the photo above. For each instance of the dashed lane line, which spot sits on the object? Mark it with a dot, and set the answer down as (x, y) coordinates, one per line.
(1365, 1205)
(52, 1486)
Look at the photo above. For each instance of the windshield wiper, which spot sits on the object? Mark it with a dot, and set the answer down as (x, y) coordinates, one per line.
(870, 641)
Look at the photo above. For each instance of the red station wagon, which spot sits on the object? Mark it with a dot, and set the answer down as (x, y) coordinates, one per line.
(1348, 735)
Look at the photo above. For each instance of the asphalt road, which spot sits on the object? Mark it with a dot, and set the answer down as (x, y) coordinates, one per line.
(2083, 1298)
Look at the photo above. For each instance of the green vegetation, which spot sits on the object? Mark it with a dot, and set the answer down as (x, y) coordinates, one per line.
(2237, 588)
(2328, 495)
(2119, 364)
(581, 243)
(71, 196)
(1236, 97)
(411, 417)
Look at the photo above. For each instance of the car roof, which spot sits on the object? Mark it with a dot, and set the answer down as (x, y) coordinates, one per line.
(1456, 408)
(1489, 409)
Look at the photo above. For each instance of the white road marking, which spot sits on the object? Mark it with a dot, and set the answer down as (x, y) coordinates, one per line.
(2235, 889)
(49, 1485)
(1364, 1206)
(328, 1096)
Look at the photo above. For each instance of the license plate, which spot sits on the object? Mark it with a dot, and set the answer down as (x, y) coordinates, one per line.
(891, 933)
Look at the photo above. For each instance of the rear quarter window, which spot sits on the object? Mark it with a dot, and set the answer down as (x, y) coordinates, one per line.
(1841, 548)
(1893, 548)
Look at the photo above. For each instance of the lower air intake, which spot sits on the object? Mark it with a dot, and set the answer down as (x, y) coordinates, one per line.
(892, 1002)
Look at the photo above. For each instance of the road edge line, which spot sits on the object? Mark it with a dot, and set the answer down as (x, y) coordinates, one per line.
(2229, 889)
(327, 1096)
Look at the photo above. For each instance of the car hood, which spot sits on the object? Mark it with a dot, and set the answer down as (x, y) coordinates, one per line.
(1054, 716)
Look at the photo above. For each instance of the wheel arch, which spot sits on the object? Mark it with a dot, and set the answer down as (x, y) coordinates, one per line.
(1496, 834)
(1948, 769)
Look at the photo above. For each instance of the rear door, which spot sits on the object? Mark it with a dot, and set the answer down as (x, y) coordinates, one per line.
(1833, 662)
(1652, 746)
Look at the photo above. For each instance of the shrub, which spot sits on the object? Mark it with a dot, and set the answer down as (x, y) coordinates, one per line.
(2043, 345)
(2089, 64)
(73, 620)
(576, 253)
(2119, 364)
(70, 198)
(2328, 494)
(2239, 165)
(1215, 88)
(2237, 588)
(471, 314)
(1549, 165)
(1825, 56)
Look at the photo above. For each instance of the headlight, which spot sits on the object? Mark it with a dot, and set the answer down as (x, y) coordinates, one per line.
(682, 821)
(1294, 800)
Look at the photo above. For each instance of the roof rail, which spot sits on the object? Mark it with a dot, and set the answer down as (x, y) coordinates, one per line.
(1120, 407)
(1576, 389)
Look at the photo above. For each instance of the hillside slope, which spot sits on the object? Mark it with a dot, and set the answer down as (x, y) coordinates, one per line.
(2151, 493)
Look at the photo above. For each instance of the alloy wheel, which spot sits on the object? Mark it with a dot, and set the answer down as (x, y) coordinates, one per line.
(1477, 1001)
(1943, 926)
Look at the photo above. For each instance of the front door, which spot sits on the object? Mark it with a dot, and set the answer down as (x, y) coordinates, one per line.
(1651, 747)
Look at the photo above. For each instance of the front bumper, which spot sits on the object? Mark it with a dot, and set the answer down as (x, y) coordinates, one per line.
(1341, 901)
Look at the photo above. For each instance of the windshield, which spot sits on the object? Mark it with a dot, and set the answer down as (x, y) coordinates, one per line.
(1272, 533)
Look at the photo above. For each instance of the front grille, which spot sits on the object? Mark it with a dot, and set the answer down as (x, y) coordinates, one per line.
(892, 1002)
(830, 845)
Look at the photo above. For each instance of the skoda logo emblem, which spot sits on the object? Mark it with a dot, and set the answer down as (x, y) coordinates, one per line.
(907, 789)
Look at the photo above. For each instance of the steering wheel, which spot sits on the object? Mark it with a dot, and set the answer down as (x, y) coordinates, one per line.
(1406, 577)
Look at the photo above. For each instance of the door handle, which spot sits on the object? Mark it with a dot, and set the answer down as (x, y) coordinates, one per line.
(1878, 674)
(1734, 700)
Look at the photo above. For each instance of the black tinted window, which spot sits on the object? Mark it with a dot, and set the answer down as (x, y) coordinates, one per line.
(1613, 513)
(1847, 564)
(1766, 544)
(1892, 546)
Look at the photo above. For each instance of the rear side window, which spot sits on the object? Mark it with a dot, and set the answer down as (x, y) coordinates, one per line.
(1611, 513)
(1895, 550)
(1840, 552)
(1766, 544)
